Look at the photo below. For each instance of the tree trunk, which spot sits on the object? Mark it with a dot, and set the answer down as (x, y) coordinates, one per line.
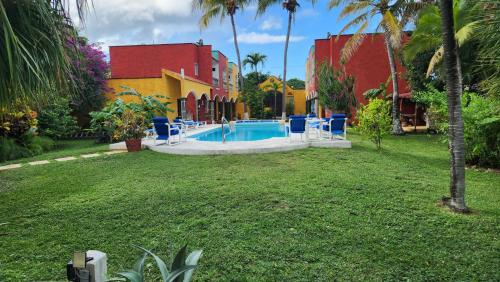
(283, 99)
(456, 128)
(396, 121)
(240, 74)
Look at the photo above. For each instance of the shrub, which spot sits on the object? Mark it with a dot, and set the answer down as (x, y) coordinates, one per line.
(181, 269)
(481, 130)
(374, 120)
(335, 89)
(26, 146)
(481, 117)
(18, 122)
(55, 121)
(131, 125)
(104, 122)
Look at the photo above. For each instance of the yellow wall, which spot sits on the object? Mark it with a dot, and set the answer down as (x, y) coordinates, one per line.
(170, 84)
(299, 99)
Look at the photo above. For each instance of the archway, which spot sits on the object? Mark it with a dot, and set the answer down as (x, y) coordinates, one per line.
(272, 104)
(203, 108)
(191, 113)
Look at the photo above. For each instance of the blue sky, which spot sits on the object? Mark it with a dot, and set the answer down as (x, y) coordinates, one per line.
(117, 22)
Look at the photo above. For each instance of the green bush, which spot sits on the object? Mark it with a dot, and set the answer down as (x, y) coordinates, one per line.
(27, 146)
(481, 117)
(481, 130)
(55, 121)
(374, 120)
(104, 122)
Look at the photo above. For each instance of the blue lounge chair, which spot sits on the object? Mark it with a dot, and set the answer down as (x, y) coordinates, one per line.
(336, 126)
(166, 130)
(297, 125)
(189, 123)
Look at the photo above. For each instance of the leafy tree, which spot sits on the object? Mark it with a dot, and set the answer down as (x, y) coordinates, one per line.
(212, 9)
(254, 60)
(427, 33)
(296, 83)
(335, 89)
(390, 17)
(456, 141)
(34, 65)
(291, 7)
(89, 71)
(374, 120)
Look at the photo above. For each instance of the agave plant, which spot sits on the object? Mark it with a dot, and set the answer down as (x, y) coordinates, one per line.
(181, 270)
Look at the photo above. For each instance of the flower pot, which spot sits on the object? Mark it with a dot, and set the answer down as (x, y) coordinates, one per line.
(133, 145)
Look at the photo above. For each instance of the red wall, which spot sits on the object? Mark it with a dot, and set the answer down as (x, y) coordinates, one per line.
(369, 64)
(139, 61)
(223, 66)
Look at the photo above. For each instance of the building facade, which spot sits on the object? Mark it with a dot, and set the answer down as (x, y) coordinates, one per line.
(369, 65)
(200, 82)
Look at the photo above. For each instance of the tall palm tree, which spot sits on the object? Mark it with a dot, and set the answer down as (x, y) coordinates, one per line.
(254, 60)
(456, 127)
(34, 62)
(392, 18)
(212, 9)
(291, 7)
(427, 34)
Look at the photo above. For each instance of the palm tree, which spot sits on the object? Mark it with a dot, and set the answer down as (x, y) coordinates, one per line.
(254, 59)
(291, 7)
(212, 9)
(456, 128)
(427, 33)
(393, 18)
(31, 71)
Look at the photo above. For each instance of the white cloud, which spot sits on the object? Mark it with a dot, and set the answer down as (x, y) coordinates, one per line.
(115, 22)
(307, 13)
(271, 23)
(265, 38)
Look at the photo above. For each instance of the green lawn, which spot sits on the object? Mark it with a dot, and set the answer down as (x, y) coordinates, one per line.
(308, 215)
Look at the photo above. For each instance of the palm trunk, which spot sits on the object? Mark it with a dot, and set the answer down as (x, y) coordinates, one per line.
(283, 100)
(456, 128)
(396, 121)
(240, 75)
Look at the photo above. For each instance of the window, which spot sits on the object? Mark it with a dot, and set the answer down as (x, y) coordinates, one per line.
(196, 69)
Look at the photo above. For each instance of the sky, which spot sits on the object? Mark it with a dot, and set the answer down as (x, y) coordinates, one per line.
(128, 22)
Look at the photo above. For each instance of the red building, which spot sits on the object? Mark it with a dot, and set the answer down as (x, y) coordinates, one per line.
(196, 63)
(369, 65)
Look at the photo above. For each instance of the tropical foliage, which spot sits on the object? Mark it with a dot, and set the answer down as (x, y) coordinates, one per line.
(34, 70)
(55, 120)
(335, 89)
(181, 269)
(487, 14)
(481, 117)
(107, 122)
(254, 59)
(89, 71)
(296, 83)
(374, 120)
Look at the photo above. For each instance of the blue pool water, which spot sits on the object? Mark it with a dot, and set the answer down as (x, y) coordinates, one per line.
(248, 131)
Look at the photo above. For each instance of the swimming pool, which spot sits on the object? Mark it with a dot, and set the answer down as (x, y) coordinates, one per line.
(244, 131)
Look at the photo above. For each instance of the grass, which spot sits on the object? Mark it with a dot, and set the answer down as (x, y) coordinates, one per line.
(65, 148)
(307, 215)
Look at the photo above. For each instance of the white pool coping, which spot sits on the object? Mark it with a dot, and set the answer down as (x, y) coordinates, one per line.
(191, 146)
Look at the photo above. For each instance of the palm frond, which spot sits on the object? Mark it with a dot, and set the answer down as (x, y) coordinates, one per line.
(436, 59)
(392, 28)
(354, 7)
(363, 18)
(465, 33)
(353, 43)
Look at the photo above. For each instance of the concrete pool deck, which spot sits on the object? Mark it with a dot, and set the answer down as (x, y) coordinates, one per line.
(192, 146)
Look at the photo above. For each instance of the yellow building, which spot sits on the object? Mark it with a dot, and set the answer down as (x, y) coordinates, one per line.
(189, 97)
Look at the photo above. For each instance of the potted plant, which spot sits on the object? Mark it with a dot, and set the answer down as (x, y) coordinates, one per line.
(131, 127)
